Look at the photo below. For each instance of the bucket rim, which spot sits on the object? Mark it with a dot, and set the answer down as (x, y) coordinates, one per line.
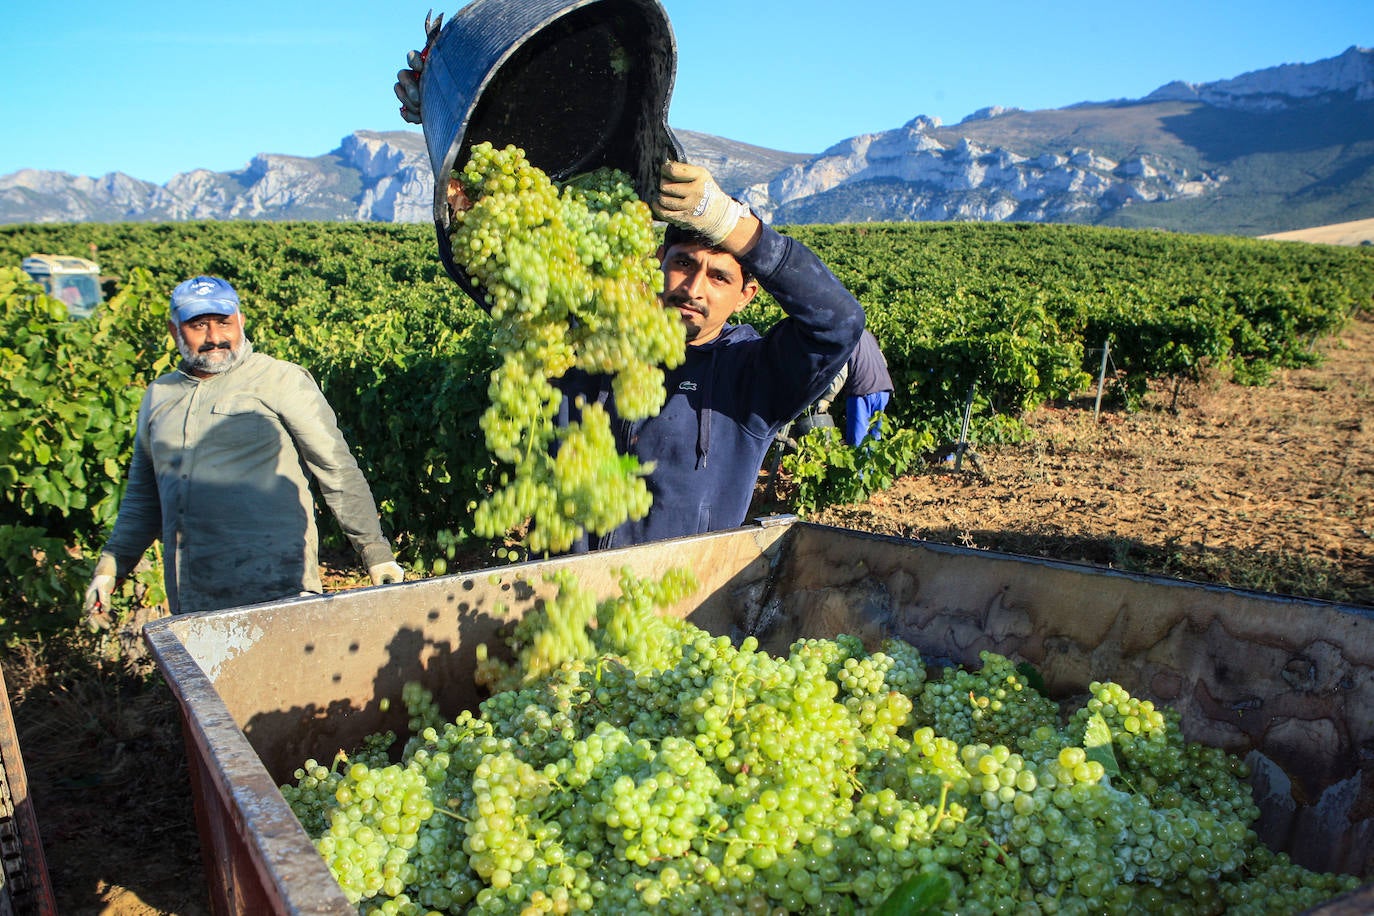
(473, 25)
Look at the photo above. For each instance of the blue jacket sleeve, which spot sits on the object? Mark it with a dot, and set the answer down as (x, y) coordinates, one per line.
(804, 351)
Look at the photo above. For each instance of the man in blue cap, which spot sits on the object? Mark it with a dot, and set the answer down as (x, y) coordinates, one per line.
(224, 450)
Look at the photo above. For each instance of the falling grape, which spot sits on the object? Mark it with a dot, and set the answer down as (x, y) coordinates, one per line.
(572, 281)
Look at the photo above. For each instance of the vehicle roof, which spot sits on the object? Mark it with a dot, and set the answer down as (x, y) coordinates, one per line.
(60, 263)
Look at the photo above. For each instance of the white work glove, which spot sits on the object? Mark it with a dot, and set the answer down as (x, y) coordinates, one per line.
(407, 86)
(382, 573)
(689, 197)
(97, 603)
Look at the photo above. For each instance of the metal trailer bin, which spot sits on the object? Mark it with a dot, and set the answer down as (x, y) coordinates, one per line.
(1286, 683)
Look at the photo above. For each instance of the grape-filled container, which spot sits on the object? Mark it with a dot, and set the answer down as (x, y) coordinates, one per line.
(1286, 683)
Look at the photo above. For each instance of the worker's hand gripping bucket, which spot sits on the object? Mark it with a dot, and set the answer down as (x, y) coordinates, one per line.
(576, 85)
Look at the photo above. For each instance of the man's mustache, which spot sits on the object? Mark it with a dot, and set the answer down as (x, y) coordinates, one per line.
(682, 302)
(206, 348)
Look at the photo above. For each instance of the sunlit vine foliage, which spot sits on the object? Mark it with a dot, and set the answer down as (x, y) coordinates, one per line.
(1016, 313)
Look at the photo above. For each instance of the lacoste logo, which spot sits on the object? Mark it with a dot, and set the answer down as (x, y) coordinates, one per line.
(687, 386)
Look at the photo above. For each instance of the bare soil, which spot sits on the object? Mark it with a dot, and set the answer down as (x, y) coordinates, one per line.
(1268, 488)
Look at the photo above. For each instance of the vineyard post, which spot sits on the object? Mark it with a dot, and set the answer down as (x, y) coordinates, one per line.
(1102, 376)
(963, 430)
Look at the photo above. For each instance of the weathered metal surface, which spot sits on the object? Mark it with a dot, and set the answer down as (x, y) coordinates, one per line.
(257, 858)
(1285, 682)
(24, 883)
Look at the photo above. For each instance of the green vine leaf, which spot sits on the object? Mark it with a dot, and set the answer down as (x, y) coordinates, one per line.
(1097, 742)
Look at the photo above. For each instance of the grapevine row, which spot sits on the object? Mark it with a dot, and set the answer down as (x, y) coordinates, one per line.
(1017, 313)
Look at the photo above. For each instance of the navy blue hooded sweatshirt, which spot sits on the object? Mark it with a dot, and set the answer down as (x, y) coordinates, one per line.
(732, 394)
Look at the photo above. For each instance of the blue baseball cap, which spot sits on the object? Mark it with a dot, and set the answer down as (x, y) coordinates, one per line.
(203, 296)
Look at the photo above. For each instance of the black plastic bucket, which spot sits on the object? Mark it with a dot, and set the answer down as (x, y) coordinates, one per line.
(576, 85)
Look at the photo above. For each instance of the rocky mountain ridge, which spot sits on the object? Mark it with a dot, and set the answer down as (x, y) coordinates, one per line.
(1006, 164)
(1162, 160)
(913, 175)
(373, 175)
(1282, 86)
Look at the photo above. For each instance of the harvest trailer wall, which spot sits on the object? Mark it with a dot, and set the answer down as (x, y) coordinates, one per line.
(1287, 683)
(24, 884)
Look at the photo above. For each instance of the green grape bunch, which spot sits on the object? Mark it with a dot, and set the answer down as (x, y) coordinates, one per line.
(628, 761)
(571, 277)
(993, 704)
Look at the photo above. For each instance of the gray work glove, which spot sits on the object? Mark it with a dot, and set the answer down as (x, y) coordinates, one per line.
(833, 390)
(407, 86)
(689, 197)
(97, 602)
(383, 573)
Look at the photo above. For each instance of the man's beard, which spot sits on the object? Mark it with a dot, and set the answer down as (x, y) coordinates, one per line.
(205, 361)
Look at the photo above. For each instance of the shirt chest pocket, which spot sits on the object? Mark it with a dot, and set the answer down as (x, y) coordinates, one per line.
(240, 423)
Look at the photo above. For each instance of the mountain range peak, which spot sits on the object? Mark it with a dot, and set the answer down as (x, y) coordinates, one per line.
(1290, 144)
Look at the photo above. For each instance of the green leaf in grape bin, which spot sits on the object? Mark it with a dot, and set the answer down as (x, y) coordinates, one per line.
(919, 895)
(1097, 742)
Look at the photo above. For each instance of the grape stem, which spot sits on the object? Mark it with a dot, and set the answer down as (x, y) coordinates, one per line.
(944, 799)
(456, 817)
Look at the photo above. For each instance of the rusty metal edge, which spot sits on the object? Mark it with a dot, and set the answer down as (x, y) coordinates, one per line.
(26, 819)
(292, 875)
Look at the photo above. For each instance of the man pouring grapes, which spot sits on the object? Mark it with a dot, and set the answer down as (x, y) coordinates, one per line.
(689, 453)
(736, 387)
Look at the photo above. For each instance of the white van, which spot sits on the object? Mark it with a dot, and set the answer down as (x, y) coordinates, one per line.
(76, 281)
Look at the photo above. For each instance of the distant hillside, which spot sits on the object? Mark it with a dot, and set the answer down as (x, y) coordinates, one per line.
(1359, 232)
(1275, 150)
(373, 175)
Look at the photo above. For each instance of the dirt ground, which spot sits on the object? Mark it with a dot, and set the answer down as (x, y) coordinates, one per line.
(1267, 488)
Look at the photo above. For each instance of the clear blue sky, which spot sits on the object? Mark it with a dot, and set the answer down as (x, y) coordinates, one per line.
(157, 88)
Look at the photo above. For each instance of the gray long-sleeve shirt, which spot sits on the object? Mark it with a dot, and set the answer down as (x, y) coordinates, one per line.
(221, 472)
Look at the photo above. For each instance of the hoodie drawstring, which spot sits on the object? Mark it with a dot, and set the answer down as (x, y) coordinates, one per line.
(704, 415)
